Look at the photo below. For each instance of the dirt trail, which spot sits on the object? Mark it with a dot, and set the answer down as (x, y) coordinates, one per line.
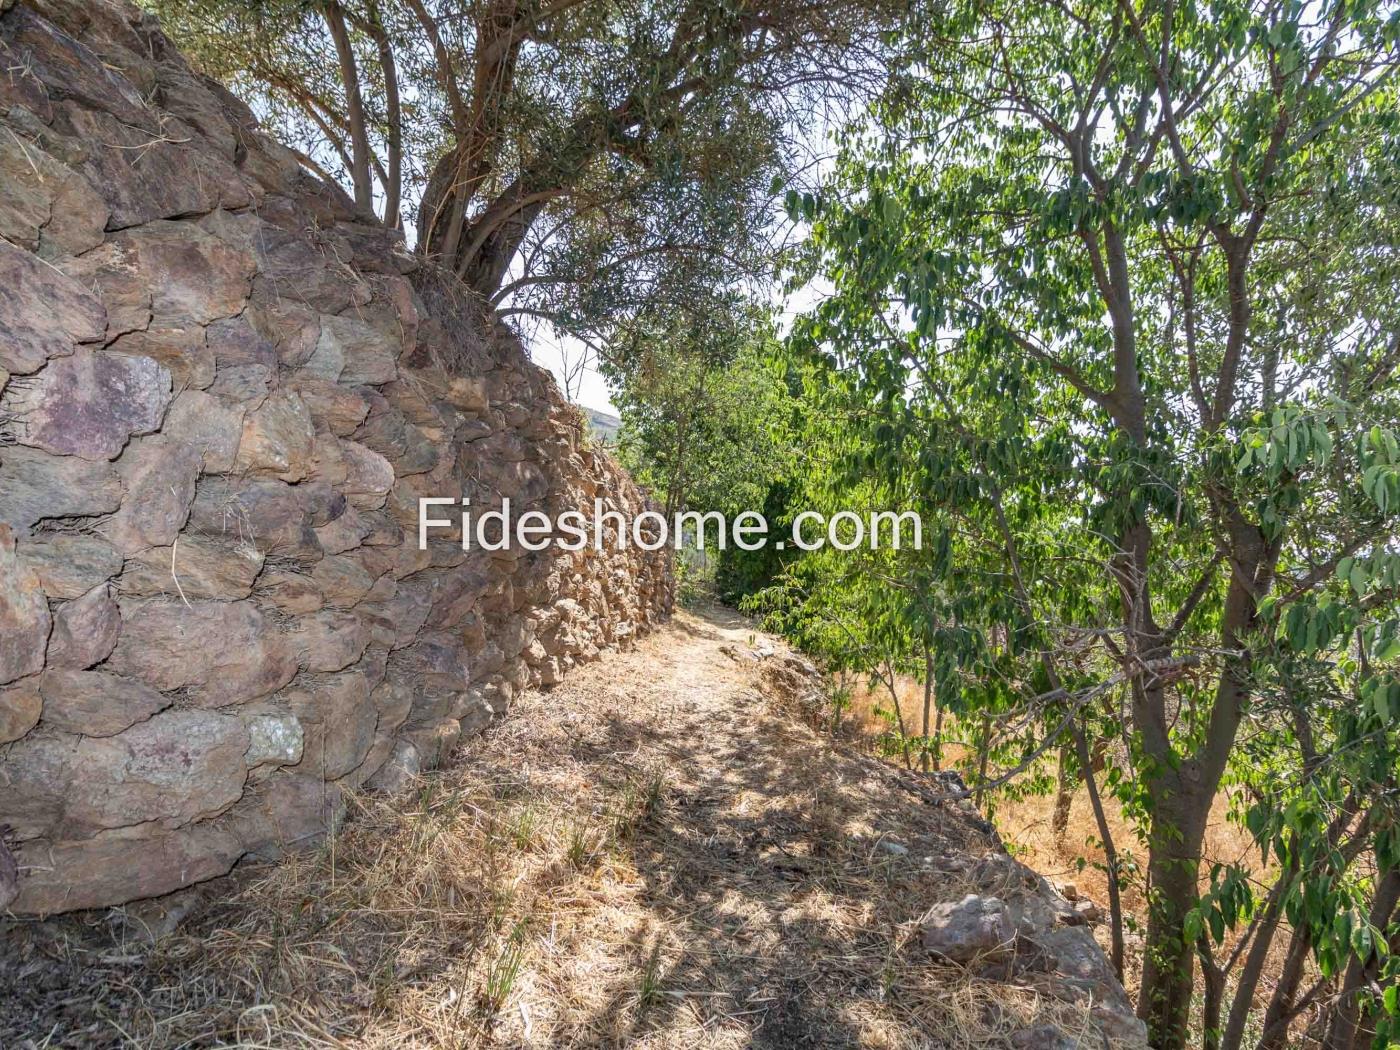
(654, 853)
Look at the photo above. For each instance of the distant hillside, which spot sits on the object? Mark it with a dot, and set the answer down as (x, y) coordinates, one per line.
(603, 425)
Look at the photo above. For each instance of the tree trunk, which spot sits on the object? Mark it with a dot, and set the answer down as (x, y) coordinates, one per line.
(928, 706)
(354, 104)
(1168, 971)
(1065, 784)
(1348, 1027)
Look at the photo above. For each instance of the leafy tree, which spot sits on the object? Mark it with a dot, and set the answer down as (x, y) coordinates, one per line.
(1114, 292)
(572, 160)
(705, 411)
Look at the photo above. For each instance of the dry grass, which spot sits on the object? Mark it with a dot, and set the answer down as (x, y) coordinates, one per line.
(647, 855)
(1077, 857)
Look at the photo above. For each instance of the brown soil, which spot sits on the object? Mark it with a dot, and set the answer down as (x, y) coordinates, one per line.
(651, 854)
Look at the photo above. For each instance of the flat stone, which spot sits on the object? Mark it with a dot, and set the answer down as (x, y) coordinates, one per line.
(88, 404)
(207, 423)
(973, 928)
(70, 564)
(333, 407)
(35, 486)
(338, 719)
(96, 703)
(330, 640)
(196, 566)
(44, 205)
(342, 579)
(43, 313)
(84, 630)
(223, 652)
(353, 353)
(277, 438)
(368, 476)
(159, 475)
(179, 348)
(126, 864)
(293, 593)
(20, 706)
(24, 615)
(274, 516)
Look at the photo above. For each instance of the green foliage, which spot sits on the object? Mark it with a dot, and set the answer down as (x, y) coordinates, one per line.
(1113, 306)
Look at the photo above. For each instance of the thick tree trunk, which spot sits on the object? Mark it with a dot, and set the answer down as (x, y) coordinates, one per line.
(1349, 1030)
(1168, 972)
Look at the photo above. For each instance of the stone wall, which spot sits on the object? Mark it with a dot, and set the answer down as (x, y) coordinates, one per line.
(222, 393)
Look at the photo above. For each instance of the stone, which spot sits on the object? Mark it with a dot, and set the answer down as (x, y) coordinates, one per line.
(96, 703)
(272, 515)
(406, 447)
(24, 615)
(159, 475)
(179, 348)
(88, 404)
(125, 864)
(277, 438)
(368, 476)
(195, 566)
(223, 652)
(274, 740)
(1087, 910)
(353, 353)
(84, 630)
(968, 930)
(70, 564)
(333, 407)
(329, 640)
(21, 704)
(43, 313)
(290, 592)
(338, 719)
(190, 275)
(45, 206)
(1042, 1037)
(345, 533)
(208, 424)
(342, 579)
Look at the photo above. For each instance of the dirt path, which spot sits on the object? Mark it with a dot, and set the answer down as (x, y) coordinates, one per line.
(654, 853)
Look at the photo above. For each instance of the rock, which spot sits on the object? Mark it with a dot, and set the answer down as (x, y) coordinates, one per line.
(43, 312)
(1043, 1037)
(329, 640)
(44, 205)
(291, 592)
(84, 630)
(189, 275)
(338, 719)
(342, 579)
(368, 476)
(333, 407)
(399, 772)
(275, 517)
(24, 615)
(222, 651)
(35, 486)
(970, 929)
(126, 864)
(352, 353)
(70, 564)
(196, 566)
(96, 703)
(204, 422)
(274, 739)
(179, 348)
(88, 404)
(277, 438)
(1087, 910)
(159, 475)
(20, 707)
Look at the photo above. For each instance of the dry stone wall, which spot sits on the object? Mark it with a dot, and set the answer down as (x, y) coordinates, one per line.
(222, 393)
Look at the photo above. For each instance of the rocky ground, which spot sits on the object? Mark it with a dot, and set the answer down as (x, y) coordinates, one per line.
(655, 852)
